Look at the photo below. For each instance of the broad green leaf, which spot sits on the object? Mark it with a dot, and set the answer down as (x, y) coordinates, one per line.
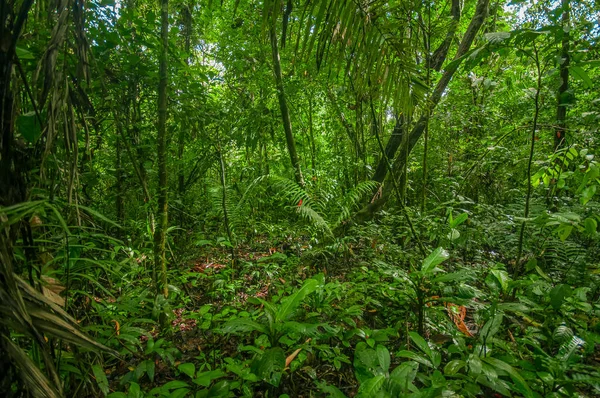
(520, 383)
(205, 378)
(289, 304)
(402, 377)
(29, 126)
(454, 276)
(558, 294)
(454, 366)
(23, 53)
(150, 370)
(453, 235)
(588, 193)
(187, 368)
(421, 343)
(371, 387)
(243, 325)
(101, 379)
(491, 327)
(579, 73)
(437, 257)
(220, 389)
(172, 385)
(590, 225)
(269, 366)
(366, 363)
(179, 393)
(564, 231)
(502, 278)
(459, 220)
(383, 355)
(415, 357)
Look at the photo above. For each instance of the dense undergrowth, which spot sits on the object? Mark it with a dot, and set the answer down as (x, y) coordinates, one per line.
(303, 313)
(316, 198)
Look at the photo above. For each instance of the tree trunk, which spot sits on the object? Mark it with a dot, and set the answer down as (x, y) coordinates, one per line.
(162, 213)
(561, 111)
(119, 199)
(390, 149)
(285, 112)
(399, 164)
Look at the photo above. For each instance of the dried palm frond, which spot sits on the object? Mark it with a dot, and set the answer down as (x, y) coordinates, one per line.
(26, 310)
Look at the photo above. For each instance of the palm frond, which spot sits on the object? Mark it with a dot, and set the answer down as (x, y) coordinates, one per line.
(363, 40)
(37, 383)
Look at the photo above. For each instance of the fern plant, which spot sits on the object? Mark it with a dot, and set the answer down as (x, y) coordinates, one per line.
(322, 208)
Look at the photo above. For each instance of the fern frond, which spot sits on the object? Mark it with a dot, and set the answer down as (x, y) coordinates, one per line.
(311, 215)
(352, 199)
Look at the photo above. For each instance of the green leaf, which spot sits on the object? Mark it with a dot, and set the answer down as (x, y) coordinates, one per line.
(454, 366)
(415, 357)
(402, 377)
(243, 325)
(29, 126)
(502, 278)
(491, 327)
(366, 363)
(370, 387)
(579, 73)
(564, 231)
(383, 355)
(558, 294)
(331, 391)
(220, 389)
(180, 393)
(437, 257)
(453, 235)
(23, 53)
(454, 276)
(459, 220)
(205, 378)
(421, 343)
(588, 193)
(269, 366)
(188, 369)
(520, 383)
(150, 368)
(590, 225)
(291, 303)
(174, 385)
(101, 379)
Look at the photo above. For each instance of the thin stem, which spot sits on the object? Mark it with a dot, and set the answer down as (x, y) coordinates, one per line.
(530, 161)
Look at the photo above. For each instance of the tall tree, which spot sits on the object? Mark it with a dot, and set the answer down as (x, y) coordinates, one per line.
(415, 134)
(562, 99)
(283, 106)
(163, 189)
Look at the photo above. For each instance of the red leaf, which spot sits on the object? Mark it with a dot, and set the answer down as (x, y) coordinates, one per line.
(300, 203)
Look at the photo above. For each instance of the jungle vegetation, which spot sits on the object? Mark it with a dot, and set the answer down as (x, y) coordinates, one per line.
(299, 198)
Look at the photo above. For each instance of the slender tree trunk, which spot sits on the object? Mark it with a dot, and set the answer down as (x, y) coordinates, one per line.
(427, 42)
(561, 111)
(313, 152)
(285, 112)
(224, 206)
(119, 199)
(517, 268)
(162, 214)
